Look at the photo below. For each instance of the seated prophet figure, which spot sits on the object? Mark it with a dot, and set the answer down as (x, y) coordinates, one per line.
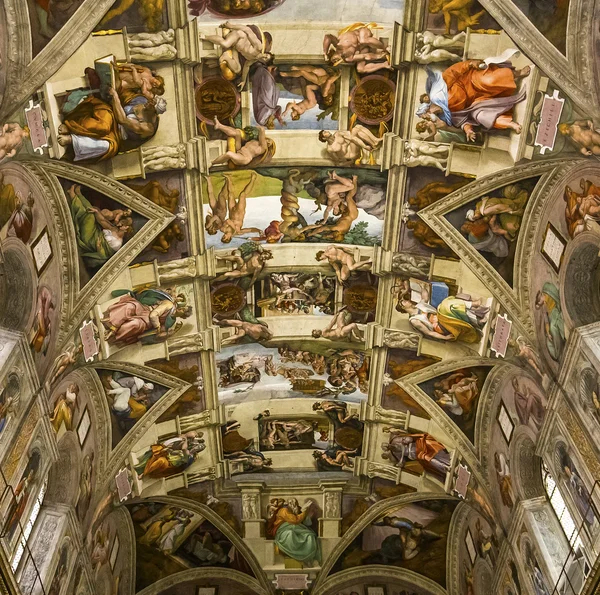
(454, 319)
(290, 528)
(473, 93)
(98, 238)
(96, 130)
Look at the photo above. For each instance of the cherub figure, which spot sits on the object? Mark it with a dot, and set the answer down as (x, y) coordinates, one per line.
(134, 77)
(116, 215)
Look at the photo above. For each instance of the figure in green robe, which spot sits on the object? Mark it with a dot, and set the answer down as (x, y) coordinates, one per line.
(100, 233)
(548, 302)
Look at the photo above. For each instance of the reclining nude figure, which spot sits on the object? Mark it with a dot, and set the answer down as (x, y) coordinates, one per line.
(246, 151)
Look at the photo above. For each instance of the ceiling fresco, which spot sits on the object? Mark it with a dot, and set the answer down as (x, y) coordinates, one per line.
(302, 294)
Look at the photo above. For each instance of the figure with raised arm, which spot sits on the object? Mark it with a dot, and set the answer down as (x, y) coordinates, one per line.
(342, 261)
(252, 147)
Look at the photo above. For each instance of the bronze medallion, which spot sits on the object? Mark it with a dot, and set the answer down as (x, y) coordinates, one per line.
(348, 438)
(227, 299)
(361, 298)
(216, 97)
(372, 100)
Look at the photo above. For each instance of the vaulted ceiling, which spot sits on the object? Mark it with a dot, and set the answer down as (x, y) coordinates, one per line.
(302, 287)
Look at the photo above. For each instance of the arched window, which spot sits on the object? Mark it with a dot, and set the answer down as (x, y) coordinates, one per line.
(35, 511)
(560, 508)
(576, 567)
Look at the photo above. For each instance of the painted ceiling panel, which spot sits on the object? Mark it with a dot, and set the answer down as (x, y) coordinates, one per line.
(296, 296)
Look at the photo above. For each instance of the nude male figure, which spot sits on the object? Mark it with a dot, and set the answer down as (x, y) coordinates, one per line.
(253, 266)
(232, 226)
(358, 47)
(461, 9)
(244, 152)
(134, 77)
(348, 214)
(258, 332)
(341, 327)
(335, 187)
(344, 146)
(584, 135)
(341, 458)
(342, 261)
(246, 42)
(297, 108)
(317, 76)
(215, 219)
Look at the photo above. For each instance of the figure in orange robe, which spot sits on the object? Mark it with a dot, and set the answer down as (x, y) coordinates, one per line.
(473, 93)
